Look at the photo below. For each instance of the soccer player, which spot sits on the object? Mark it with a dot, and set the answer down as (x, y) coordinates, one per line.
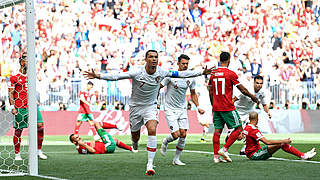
(254, 150)
(245, 105)
(175, 109)
(85, 114)
(108, 144)
(143, 107)
(220, 88)
(18, 99)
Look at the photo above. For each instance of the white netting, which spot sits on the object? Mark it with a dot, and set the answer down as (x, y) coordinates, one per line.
(8, 165)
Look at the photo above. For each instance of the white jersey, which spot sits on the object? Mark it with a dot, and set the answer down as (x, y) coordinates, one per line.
(176, 91)
(245, 104)
(145, 87)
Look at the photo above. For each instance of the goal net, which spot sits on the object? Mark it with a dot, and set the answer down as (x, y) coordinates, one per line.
(14, 134)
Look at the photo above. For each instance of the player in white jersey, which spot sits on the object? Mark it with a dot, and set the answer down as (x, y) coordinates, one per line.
(245, 105)
(143, 108)
(175, 108)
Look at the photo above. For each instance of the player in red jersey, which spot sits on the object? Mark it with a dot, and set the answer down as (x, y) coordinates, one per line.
(108, 144)
(220, 88)
(254, 150)
(18, 99)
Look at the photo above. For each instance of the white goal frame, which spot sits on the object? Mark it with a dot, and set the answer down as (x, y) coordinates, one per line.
(31, 73)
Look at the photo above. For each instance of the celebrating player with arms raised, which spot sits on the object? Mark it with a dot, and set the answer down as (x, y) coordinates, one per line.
(143, 107)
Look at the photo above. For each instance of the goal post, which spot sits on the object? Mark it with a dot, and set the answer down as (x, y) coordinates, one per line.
(29, 151)
(33, 158)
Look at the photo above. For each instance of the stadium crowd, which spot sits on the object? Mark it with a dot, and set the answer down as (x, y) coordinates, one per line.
(279, 40)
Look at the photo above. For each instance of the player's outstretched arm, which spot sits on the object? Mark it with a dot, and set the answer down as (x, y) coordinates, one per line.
(274, 142)
(188, 73)
(245, 91)
(107, 76)
(89, 148)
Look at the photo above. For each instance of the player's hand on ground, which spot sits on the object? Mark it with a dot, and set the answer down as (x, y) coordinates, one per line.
(201, 111)
(91, 75)
(287, 141)
(207, 71)
(14, 111)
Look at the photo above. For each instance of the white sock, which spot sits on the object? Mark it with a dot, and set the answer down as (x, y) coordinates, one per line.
(151, 148)
(169, 139)
(243, 148)
(180, 146)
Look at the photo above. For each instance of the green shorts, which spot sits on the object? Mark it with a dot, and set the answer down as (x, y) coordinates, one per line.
(107, 140)
(85, 117)
(261, 154)
(231, 118)
(21, 119)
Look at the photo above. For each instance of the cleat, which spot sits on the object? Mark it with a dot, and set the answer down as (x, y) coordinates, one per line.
(178, 162)
(163, 148)
(150, 171)
(134, 150)
(17, 157)
(309, 155)
(219, 160)
(202, 140)
(225, 155)
(120, 128)
(41, 155)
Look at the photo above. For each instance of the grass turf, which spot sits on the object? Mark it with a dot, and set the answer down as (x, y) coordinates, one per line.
(64, 162)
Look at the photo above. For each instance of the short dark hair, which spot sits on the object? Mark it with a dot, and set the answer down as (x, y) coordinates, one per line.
(183, 56)
(90, 83)
(224, 56)
(23, 56)
(258, 77)
(70, 137)
(151, 50)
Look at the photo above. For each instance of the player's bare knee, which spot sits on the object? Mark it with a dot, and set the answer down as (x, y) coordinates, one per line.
(175, 135)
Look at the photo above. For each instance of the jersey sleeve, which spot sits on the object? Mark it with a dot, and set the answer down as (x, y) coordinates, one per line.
(165, 81)
(183, 74)
(12, 81)
(119, 75)
(192, 84)
(263, 99)
(234, 78)
(82, 150)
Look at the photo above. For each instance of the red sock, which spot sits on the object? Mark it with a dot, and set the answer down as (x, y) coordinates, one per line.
(76, 129)
(93, 129)
(232, 138)
(123, 145)
(216, 142)
(17, 140)
(40, 136)
(108, 125)
(291, 150)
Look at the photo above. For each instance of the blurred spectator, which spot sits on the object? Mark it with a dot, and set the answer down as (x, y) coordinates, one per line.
(287, 105)
(62, 107)
(103, 107)
(272, 105)
(305, 104)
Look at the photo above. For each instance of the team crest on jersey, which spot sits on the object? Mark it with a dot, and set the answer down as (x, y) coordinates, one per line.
(157, 79)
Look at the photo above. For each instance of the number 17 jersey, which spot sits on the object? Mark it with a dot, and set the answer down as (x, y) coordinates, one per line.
(222, 81)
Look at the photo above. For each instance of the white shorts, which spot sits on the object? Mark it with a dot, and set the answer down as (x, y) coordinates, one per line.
(206, 117)
(140, 115)
(177, 119)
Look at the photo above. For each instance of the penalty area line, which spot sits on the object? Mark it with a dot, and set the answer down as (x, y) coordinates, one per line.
(48, 177)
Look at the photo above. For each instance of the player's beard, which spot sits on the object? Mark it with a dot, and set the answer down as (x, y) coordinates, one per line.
(25, 68)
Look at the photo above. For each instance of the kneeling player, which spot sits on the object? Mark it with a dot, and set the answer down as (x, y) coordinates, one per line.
(255, 152)
(108, 144)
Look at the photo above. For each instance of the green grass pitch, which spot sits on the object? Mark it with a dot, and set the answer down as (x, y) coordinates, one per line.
(64, 162)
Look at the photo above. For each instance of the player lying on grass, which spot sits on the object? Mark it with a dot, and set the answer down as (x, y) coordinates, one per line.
(254, 150)
(108, 144)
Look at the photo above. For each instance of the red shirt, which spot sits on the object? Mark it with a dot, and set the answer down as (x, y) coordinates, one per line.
(222, 81)
(84, 108)
(20, 84)
(98, 147)
(253, 135)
